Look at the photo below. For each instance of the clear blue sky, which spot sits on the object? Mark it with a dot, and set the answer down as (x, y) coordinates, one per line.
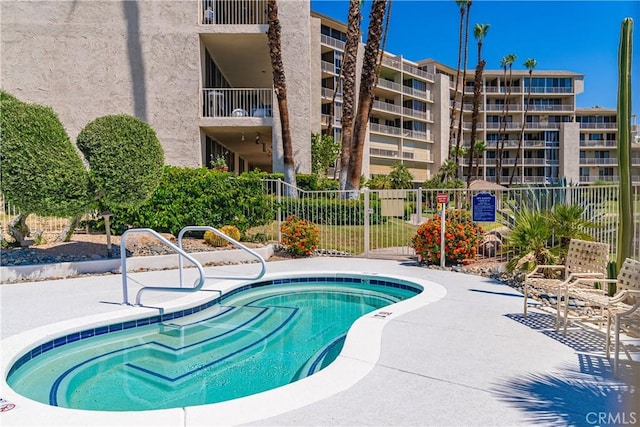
(578, 36)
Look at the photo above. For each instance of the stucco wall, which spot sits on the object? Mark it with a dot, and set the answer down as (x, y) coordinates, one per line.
(570, 151)
(88, 59)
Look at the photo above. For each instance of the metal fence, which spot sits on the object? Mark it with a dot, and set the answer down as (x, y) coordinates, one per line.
(381, 223)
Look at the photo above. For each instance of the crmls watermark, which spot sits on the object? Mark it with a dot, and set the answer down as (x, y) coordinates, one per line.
(611, 418)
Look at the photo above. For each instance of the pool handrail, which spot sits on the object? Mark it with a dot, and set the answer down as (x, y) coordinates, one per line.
(181, 254)
(230, 240)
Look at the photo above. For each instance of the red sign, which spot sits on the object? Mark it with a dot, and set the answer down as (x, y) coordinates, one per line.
(443, 198)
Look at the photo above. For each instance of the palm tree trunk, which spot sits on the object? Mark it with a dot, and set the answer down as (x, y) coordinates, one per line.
(464, 78)
(370, 70)
(349, 87)
(521, 138)
(274, 36)
(477, 85)
(504, 127)
(455, 93)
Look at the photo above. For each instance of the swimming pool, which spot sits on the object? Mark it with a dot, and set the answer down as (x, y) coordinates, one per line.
(254, 338)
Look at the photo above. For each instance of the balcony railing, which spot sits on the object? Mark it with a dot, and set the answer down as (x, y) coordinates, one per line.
(418, 72)
(233, 12)
(387, 130)
(391, 62)
(416, 134)
(222, 102)
(385, 106)
(550, 90)
(379, 152)
(424, 115)
(328, 93)
(331, 41)
(324, 120)
(598, 125)
(599, 143)
(607, 178)
(497, 125)
(414, 92)
(543, 125)
(512, 107)
(550, 107)
(328, 67)
(601, 161)
(388, 84)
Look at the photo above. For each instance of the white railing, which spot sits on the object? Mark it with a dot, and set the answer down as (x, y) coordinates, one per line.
(233, 12)
(391, 62)
(418, 72)
(331, 41)
(547, 125)
(379, 152)
(387, 130)
(407, 90)
(385, 106)
(388, 84)
(328, 93)
(512, 107)
(222, 102)
(601, 143)
(550, 90)
(534, 107)
(328, 67)
(584, 125)
(594, 161)
(416, 134)
(424, 115)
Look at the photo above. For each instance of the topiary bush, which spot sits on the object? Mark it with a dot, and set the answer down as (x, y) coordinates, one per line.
(299, 236)
(40, 170)
(125, 159)
(462, 237)
(216, 241)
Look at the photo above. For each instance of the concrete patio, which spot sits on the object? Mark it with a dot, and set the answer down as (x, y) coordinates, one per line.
(468, 358)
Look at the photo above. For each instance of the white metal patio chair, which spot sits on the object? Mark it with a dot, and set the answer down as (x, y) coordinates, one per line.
(584, 259)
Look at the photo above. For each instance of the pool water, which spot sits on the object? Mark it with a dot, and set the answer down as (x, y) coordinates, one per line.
(252, 341)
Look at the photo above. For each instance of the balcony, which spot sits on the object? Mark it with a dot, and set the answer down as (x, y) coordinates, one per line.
(598, 125)
(497, 125)
(383, 129)
(414, 92)
(605, 178)
(223, 102)
(543, 125)
(330, 41)
(389, 108)
(418, 72)
(392, 62)
(423, 115)
(416, 134)
(601, 161)
(328, 67)
(561, 90)
(328, 94)
(379, 152)
(500, 108)
(550, 107)
(233, 12)
(324, 120)
(388, 84)
(598, 144)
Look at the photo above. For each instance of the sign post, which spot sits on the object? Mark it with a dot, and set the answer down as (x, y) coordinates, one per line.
(442, 200)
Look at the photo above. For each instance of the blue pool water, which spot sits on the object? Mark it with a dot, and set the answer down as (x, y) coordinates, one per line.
(254, 339)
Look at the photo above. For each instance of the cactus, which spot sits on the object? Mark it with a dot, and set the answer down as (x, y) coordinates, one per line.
(216, 241)
(625, 208)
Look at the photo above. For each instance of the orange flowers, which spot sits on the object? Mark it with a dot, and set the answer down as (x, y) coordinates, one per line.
(299, 236)
(462, 237)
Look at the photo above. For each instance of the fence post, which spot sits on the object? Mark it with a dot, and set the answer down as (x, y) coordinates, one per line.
(367, 219)
(419, 206)
(279, 201)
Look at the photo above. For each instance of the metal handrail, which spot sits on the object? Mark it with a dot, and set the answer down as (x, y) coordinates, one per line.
(123, 256)
(227, 238)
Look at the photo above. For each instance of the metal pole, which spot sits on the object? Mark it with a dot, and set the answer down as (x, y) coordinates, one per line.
(442, 243)
(419, 206)
(279, 200)
(367, 218)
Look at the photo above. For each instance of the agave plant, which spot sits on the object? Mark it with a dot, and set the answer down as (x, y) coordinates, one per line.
(528, 241)
(569, 222)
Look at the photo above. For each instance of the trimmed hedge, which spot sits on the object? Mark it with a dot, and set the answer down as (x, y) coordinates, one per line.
(41, 171)
(306, 182)
(198, 196)
(125, 159)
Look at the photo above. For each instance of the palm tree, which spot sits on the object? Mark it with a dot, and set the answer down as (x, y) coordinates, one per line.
(368, 80)
(464, 77)
(479, 147)
(507, 62)
(349, 86)
(530, 64)
(462, 5)
(479, 31)
(448, 171)
(274, 38)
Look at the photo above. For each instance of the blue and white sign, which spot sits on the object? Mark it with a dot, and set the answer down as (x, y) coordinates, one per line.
(483, 207)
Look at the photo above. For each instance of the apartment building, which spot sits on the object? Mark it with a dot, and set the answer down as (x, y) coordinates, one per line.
(199, 73)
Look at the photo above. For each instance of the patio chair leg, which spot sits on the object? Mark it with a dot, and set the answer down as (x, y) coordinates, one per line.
(558, 309)
(566, 316)
(525, 299)
(607, 347)
(616, 349)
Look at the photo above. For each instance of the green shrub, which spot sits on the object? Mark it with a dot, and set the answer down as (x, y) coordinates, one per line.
(41, 171)
(299, 236)
(228, 230)
(199, 196)
(125, 159)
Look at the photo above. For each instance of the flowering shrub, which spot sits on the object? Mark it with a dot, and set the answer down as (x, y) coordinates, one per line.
(299, 236)
(462, 237)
